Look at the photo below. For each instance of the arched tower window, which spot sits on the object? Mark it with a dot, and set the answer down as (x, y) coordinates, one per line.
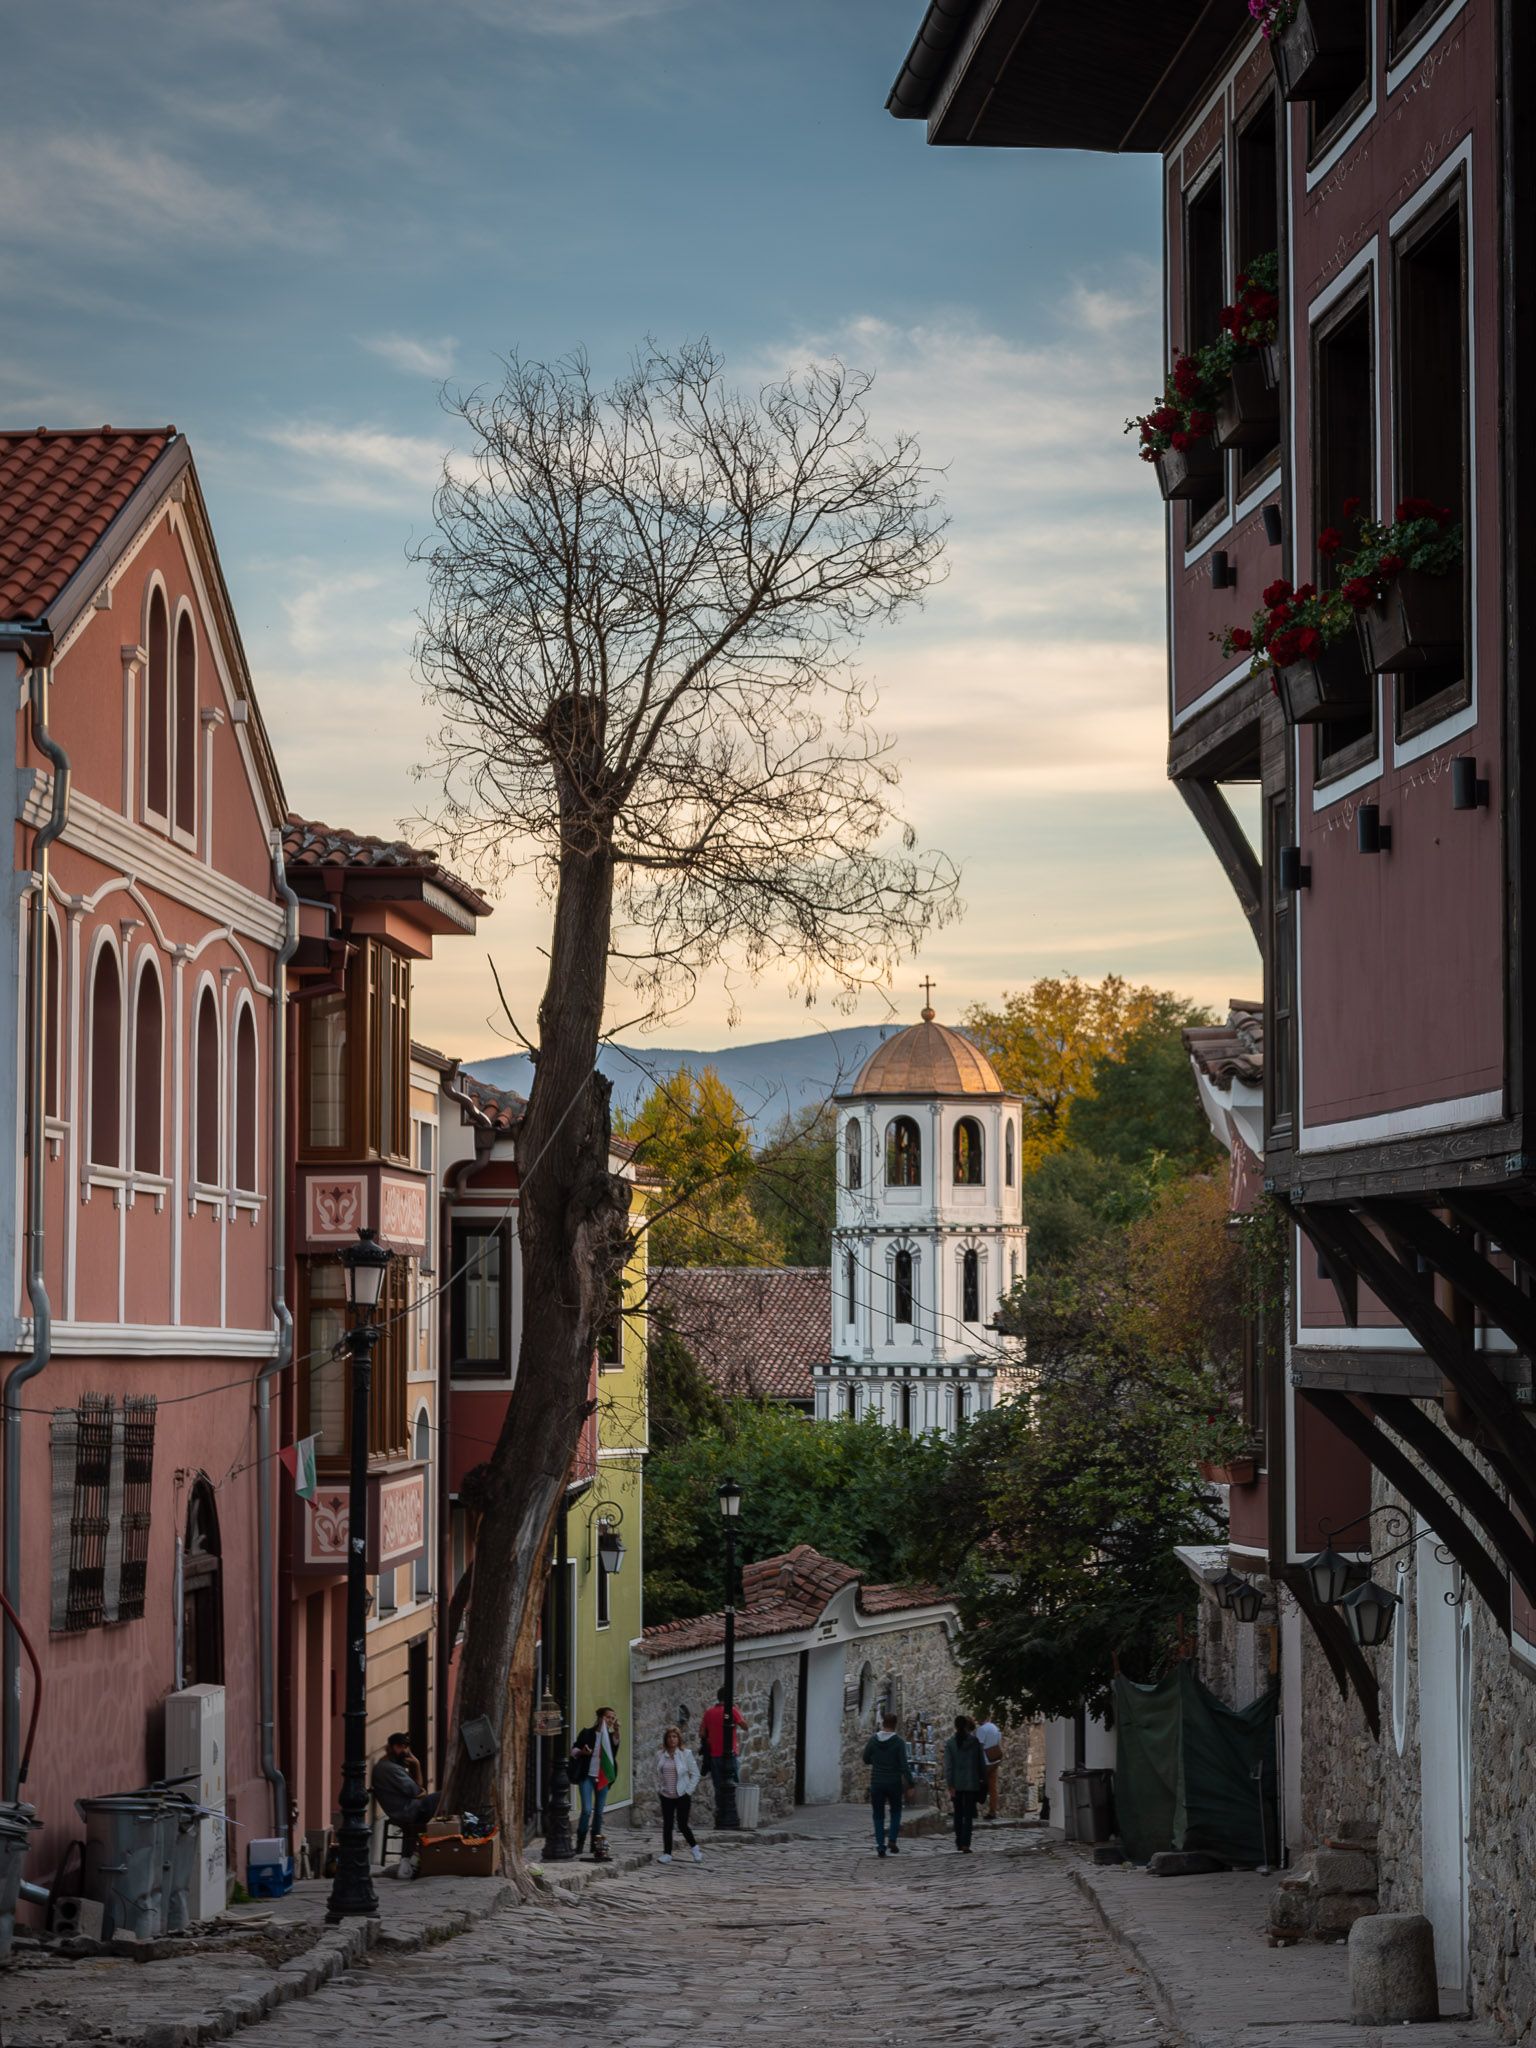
(901, 1276)
(970, 1287)
(850, 1279)
(186, 724)
(1010, 1153)
(903, 1153)
(245, 1101)
(907, 1406)
(968, 1154)
(157, 711)
(853, 1141)
(106, 1061)
(851, 1401)
(962, 1404)
(202, 1592)
(206, 1152)
(148, 1075)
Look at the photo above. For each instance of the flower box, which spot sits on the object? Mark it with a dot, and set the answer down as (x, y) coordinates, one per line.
(1269, 355)
(1332, 685)
(1418, 624)
(1235, 1472)
(1248, 411)
(1186, 472)
(1322, 50)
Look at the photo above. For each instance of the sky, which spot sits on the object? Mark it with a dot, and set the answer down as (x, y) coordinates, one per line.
(283, 224)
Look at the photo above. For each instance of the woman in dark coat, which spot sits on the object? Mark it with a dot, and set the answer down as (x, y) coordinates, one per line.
(965, 1773)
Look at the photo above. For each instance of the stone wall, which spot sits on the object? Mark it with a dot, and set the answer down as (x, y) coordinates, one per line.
(767, 1693)
(912, 1673)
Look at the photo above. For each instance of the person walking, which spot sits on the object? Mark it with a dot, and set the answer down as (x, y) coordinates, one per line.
(594, 1764)
(990, 1736)
(890, 1775)
(720, 1756)
(965, 1772)
(677, 1779)
(397, 1786)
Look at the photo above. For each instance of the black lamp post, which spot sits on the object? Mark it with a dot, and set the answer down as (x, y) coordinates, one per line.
(726, 1815)
(352, 1893)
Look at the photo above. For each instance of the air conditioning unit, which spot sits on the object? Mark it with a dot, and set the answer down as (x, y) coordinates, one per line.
(194, 1750)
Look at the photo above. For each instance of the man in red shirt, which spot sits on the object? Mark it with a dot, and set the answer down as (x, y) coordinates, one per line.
(712, 1740)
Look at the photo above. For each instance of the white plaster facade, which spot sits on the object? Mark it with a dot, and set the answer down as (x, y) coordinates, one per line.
(930, 1236)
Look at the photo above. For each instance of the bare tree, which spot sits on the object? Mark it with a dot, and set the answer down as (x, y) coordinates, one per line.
(643, 606)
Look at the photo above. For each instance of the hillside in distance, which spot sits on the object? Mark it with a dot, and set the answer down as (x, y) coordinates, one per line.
(770, 1080)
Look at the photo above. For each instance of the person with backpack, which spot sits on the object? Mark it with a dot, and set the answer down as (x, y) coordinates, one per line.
(965, 1773)
(677, 1779)
(594, 1764)
(890, 1775)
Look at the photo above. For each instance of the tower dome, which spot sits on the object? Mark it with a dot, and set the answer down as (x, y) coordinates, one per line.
(927, 1059)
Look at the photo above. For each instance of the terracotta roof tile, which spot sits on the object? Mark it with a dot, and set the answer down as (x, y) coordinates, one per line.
(781, 1595)
(755, 1330)
(1233, 1051)
(494, 1109)
(59, 492)
(307, 843)
(927, 1059)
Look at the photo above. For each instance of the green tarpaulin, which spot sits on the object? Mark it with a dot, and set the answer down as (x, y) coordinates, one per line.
(1191, 1773)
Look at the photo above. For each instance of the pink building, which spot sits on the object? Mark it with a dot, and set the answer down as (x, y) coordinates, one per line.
(142, 1112)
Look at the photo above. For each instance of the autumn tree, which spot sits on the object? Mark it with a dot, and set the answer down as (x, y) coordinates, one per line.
(794, 1184)
(693, 1134)
(643, 604)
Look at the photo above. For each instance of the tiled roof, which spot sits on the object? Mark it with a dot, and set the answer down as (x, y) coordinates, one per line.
(494, 1109)
(1233, 1051)
(309, 844)
(59, 492)
(781, 1595)
(755, 1330)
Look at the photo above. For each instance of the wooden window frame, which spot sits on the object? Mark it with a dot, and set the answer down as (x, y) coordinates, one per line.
(970, 1285)
(1253, 467)
(1280, 981)
(1202, 519)
(913, 1153)
(1410, 720)
(377, 1000)
(461, 1228)
(978, 1178)
(907, 1287)
(1321, 136)
(1329, 767)
(853, 1154)
(1408, 21)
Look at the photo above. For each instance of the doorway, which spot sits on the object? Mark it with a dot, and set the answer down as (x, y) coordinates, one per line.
(202, 1592)
(1443, 1615)
(822, 1750)
(416, 1695)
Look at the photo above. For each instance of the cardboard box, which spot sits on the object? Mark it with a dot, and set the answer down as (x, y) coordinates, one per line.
(445, 1853)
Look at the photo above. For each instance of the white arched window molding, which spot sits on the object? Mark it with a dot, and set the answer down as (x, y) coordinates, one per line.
(146, 1068)
(1010, 1152)
(182, 709)
(53, 948)
(207, 1088)
(155, 706)
(902, 1267)
(104, 1117)
(245, 1098)
(853, 1153)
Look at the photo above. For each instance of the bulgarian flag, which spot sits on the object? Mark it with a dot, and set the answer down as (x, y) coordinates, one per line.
(607, 1765)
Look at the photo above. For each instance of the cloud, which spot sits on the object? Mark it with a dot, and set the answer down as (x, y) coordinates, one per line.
(417, 357)
(360, 465)
(574, 17)
(83, 189)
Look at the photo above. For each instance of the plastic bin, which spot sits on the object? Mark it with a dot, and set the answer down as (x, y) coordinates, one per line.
(1094, 1798)
(128, 1859)
(749, 1801)
(180, 1823)
(16, 1825)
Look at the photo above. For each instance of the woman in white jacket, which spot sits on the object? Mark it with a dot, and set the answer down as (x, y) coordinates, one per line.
(677, 1779)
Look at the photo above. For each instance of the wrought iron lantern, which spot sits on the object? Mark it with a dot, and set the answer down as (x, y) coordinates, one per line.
(730, 1499)
(1331, 1574)
(366, 1263)
(1226, 1586)
(1247, 1601)
(1369, 1610)
(610, 1548)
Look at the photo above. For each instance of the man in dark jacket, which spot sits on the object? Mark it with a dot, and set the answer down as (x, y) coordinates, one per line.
(890, 1775)
(397, 1787)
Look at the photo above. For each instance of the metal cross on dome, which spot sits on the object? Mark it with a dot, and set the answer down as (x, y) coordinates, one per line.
(928, 998)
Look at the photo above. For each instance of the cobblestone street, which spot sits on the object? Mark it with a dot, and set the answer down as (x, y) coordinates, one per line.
(807, 1942)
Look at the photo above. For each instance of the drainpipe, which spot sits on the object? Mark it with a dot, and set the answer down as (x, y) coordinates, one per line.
(283, 1358)
(35, 644)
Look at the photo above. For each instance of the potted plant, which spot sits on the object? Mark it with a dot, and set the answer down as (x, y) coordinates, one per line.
(1316, 46)
(1239, 1470)
(1304, 637)
(1248, 405)
(1404, 582)
(1176, 433)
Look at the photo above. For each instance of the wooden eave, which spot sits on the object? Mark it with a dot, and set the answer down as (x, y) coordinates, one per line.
(1054, 74)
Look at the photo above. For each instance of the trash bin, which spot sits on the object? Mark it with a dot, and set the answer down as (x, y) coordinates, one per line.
(1069, 1805)
(16, 1825)
(1095, 1801)
(181, 1822)
(749, 1800)
(128, 1854)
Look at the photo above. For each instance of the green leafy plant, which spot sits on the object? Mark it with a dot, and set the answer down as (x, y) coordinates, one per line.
(1420, 535)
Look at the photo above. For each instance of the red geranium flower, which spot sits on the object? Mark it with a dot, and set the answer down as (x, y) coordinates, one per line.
(1329, 541)
(1285, 649)
(1278, 620)
(1445, 517)
(1277, 592)
(1180, 441)
(1307, 590)
(1310, 642)
(1390, 566)
(1360, 592)
(1351, 507)
(1240, 639)
(1186, 376)
(1201, 422)
(1415, 508)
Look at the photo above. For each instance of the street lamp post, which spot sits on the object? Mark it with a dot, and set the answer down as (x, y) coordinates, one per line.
(726, 1815)
(352, 1893)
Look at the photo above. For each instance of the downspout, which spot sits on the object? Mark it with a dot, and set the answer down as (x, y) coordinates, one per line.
(36, 646)
(283, 1357)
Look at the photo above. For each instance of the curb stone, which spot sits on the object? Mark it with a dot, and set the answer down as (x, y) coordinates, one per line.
(1161, 1995)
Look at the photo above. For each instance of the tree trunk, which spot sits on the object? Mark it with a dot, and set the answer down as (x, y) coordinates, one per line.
(572, 1231)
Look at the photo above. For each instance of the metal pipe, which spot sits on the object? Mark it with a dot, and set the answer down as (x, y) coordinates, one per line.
(279, 1363)
(36, 645)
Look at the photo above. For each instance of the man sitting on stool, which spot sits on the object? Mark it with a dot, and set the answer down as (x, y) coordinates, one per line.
(397, 1787)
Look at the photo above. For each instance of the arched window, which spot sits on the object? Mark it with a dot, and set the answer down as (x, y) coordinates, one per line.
(853, 1141)
(202, 1592)
(1010, 1153)
(245, 1100)
(776, 1710)
(54, 1021)
(970, 1287)
(157, 712)
(106, 1061)
(902, 1288)
(1013, 1269)
(907, 1406)
(422, 1448)
(903, 1153)
(962, 1404)
(148, 1074)
(206, 1142)
(186, 725)
(851, 1401)
(866, 1691)
(968, 1156)
(850, 1278)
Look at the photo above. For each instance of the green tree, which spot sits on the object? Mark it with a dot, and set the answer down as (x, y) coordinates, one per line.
(1143, 1101)
(694, 1134)
(680, 1401)
(794, 1185)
